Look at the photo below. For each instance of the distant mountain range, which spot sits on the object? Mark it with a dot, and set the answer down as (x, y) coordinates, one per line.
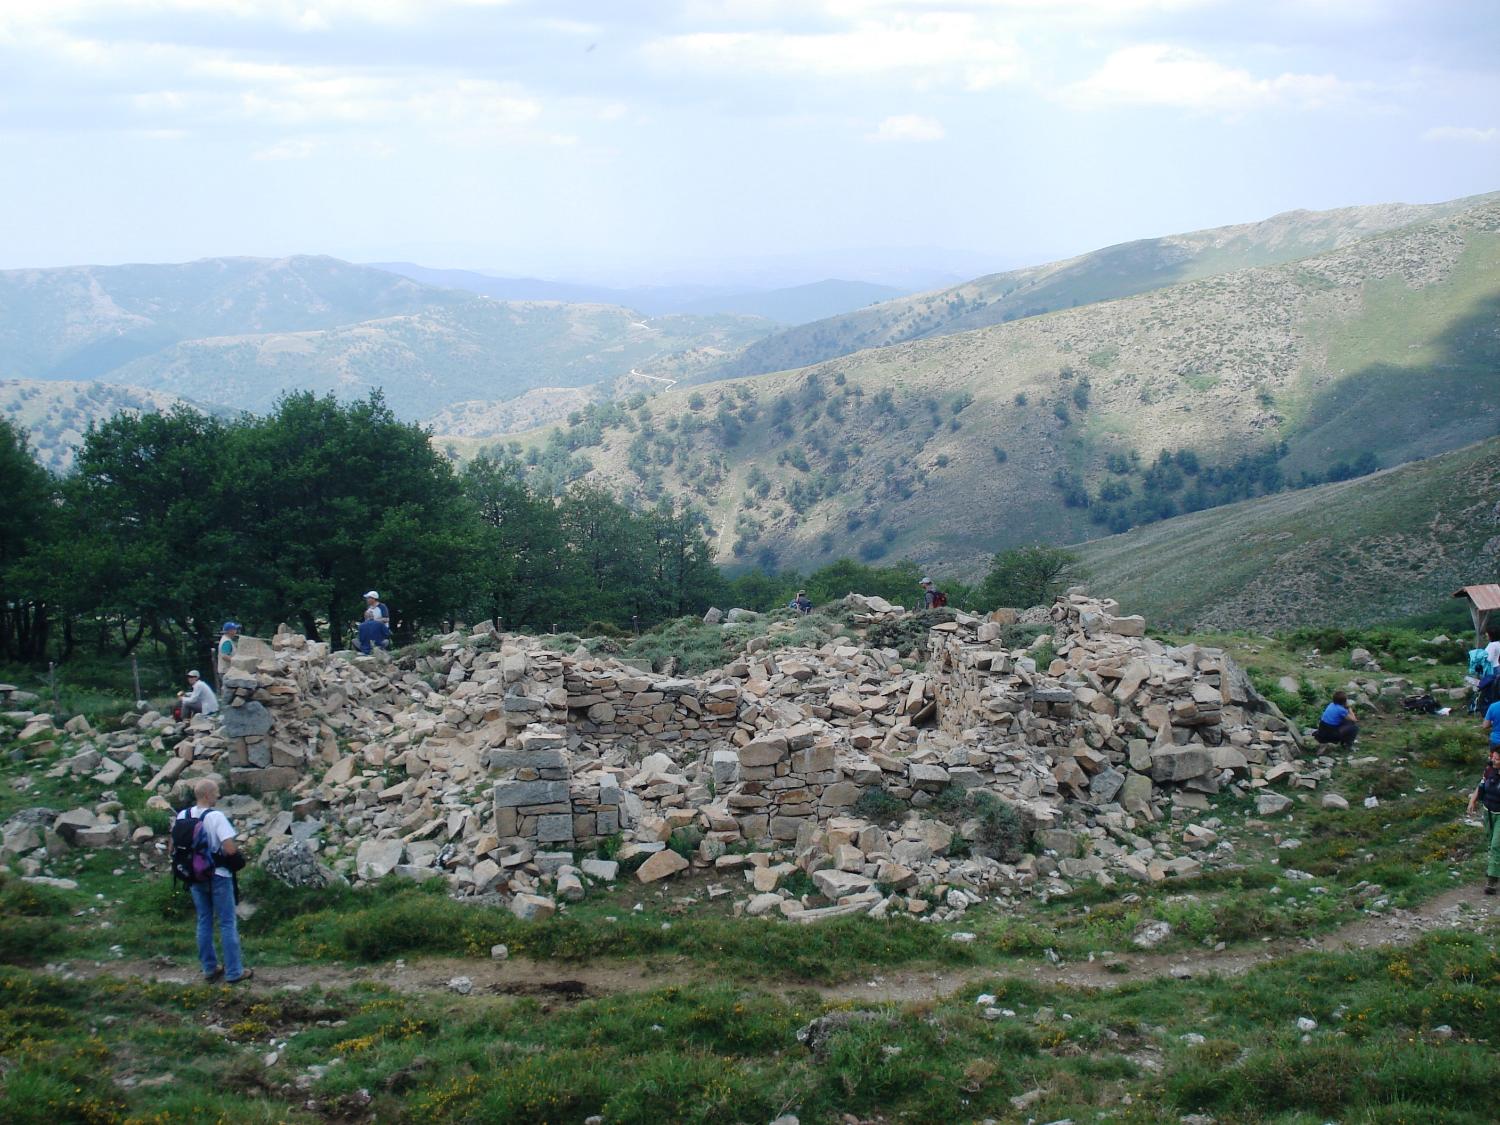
(1069, 425)
(238, 332)
(1102, 275)
(790, 305)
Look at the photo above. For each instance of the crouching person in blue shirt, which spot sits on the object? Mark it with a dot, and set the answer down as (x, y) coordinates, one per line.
(1338, 723)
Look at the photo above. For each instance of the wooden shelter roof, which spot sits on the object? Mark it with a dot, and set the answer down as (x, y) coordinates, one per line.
(1486, 597)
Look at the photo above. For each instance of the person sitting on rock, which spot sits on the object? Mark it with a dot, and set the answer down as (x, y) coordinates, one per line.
(1338, 723)
(373, 633)
(199, 699)
(375, 609)
(802, 603)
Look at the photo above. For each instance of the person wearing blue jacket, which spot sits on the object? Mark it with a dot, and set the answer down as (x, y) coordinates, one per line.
(1338, 723)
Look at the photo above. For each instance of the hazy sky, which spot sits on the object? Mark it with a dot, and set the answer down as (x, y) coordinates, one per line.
(641, 140)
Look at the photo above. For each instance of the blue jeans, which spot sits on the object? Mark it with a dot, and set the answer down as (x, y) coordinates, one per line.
(214, 900)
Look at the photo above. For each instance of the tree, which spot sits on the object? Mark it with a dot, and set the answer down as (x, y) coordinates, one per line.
(28, 522)
(338, 498)
(520, 543)
(1027, 576)
(153, 539)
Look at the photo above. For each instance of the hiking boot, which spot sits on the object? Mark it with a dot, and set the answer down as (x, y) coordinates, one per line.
(246, 975)
(209, 978)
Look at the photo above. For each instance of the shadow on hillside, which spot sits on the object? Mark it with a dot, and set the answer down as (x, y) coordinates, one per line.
(1405, 413)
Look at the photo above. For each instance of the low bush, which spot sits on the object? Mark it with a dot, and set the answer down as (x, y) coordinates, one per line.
(1002, 833)
(32, 921)
(879, 805)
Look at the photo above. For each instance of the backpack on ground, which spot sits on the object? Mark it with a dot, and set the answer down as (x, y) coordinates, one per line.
(1423, 704)
(939, 599)
(192, 862)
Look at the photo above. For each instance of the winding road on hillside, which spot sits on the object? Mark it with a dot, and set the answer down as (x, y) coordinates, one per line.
(1463, 908)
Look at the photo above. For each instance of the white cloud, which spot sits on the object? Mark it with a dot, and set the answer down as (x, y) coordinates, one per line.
(1157, 74)
(297, 149)
(909, 127)
(930, 48)
(1467, 134)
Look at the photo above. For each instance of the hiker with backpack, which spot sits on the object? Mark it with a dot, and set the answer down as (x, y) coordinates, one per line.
(1487, 793)
(932, 597)
(205, 857)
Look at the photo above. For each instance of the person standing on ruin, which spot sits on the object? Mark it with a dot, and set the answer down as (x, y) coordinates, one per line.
(227, 645)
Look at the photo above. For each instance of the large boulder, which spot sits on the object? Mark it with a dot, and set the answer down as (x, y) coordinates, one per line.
(378, 858)
(294, 863)
(1180, 763)
(247, 721)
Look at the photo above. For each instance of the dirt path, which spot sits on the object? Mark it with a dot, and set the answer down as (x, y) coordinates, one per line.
(563, 982)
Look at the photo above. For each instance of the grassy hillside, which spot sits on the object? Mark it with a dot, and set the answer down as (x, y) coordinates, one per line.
(56, 413)
(1391, 545)
(1054, 427)
(1115, 271)
(240, 331)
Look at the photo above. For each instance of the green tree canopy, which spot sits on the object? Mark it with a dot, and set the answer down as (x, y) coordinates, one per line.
(1027, 576)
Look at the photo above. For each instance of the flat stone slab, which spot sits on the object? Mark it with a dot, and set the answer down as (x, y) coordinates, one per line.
(514, 794)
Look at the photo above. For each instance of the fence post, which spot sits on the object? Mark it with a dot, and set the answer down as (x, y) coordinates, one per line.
(52, 682)
(135, 675)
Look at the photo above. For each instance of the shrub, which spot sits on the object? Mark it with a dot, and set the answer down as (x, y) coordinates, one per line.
(1002, 834)
(31, 921)
(879, 804)
(685, 841)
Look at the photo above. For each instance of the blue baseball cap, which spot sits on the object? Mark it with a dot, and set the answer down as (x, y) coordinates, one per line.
(228, 625)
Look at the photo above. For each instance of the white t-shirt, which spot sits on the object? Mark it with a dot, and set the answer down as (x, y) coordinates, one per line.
(1492, 653)
(217, 828)
(203, 696)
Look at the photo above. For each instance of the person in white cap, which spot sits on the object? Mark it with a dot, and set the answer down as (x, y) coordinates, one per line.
(375, 609)
(199, 699)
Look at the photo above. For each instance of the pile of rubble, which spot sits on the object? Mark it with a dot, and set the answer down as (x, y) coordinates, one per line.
(889, 785)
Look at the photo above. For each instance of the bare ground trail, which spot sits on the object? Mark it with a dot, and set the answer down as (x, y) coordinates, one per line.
(565, 982)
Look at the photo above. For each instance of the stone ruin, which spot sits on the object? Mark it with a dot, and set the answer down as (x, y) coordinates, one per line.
(493, 762)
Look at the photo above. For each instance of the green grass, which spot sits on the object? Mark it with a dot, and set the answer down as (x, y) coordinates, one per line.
(724, 1053)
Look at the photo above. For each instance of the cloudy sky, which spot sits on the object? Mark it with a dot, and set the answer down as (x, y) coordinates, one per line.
(651, 140)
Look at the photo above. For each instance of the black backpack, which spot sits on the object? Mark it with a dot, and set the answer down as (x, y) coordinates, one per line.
(1422, 704)
(192, 862)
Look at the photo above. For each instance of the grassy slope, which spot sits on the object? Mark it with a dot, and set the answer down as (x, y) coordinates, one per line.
(1115, 271)
(1382, 345)
(1393, 544)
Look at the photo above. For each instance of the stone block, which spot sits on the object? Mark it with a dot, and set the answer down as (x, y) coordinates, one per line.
(378, 858)
(1179, 763)
(664, 863)
(532, 908)
(248, 721)
(514, 794)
